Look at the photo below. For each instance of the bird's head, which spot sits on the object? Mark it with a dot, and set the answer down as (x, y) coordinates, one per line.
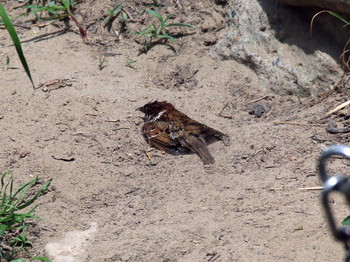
(152, 109)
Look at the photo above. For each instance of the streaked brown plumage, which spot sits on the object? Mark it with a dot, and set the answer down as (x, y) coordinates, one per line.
(172, 131)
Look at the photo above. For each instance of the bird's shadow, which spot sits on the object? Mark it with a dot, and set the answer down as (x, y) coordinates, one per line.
(179, 150)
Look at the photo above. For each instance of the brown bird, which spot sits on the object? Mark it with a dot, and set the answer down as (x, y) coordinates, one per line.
(169, 130)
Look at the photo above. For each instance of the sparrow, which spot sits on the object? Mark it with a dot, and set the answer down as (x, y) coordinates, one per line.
(170, 130)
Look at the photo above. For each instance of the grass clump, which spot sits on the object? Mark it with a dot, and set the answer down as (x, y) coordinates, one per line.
(16, 208)
(157, 32)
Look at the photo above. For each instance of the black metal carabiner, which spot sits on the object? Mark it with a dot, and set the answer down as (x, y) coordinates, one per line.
(336, 183)
(339, 150)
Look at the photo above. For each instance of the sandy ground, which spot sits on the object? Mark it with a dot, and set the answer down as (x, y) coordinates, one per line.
(86, 136)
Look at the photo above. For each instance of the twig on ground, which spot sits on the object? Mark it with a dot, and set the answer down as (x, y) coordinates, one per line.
(65, 159)
(149, 155)
(113, 121)
(311, 188)
(340, 107)
(258, 99)
(225, 116)
(300, 188)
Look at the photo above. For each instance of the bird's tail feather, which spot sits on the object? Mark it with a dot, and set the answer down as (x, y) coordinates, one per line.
(198, 145)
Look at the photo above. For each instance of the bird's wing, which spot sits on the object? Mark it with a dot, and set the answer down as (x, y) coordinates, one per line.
(158, 137)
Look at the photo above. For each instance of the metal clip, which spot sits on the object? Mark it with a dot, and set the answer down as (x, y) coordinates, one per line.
(337, 183)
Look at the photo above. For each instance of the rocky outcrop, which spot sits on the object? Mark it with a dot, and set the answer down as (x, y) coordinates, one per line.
(273, 40)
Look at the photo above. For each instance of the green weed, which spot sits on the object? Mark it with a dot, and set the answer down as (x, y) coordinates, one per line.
(101, 63)
(8, 63)
(157, 32)
(117, 12)
(10, 28)
(130, 63)
(16, 207)
(60, 10)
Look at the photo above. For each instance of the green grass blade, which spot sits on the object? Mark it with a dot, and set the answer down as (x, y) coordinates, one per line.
(113, 12)
(180, 24)
(44, 259)
(146, 32)
(25, 187)
(155, 14)
(170, 16)
(14, 218)
(40, 192)
(39, 8)
(158, 30)
(168, 37)
(9, 26)
(340, 17)
(22, 191)
(19, 260)
(34, 8)
(117, 9)
(7, 200)
(11, 187)
(66, 4)
(346, 221)
(3, 180)
(72, 4)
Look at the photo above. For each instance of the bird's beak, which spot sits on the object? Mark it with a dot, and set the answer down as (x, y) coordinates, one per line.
(139, 109)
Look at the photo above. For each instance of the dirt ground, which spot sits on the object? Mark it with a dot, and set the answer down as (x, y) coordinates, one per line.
(158, 207)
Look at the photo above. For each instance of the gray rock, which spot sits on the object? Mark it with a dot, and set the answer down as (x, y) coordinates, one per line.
(273, 40)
